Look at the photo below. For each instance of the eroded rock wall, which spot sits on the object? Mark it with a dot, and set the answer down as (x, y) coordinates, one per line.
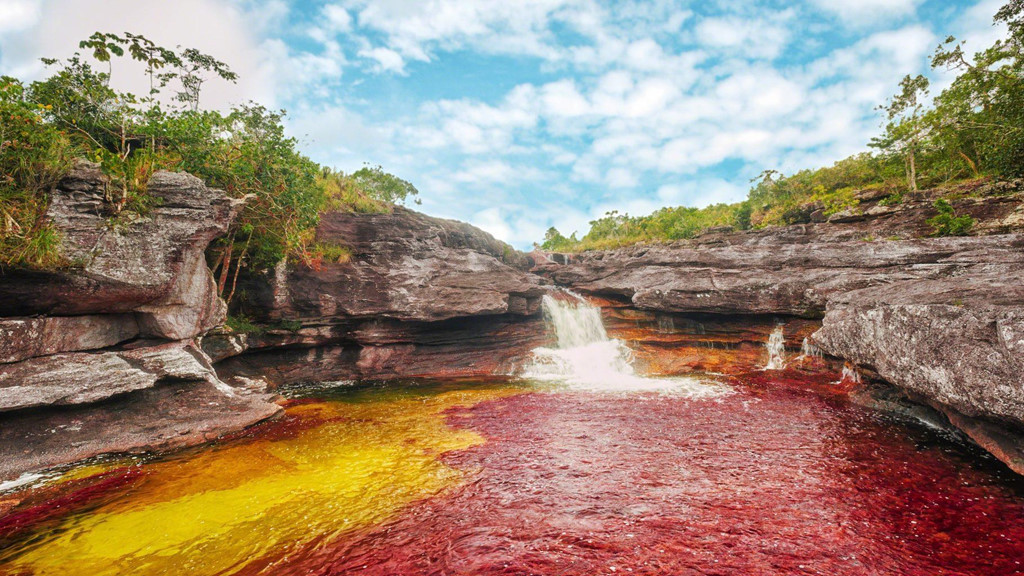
(90, 350)
(420, 296)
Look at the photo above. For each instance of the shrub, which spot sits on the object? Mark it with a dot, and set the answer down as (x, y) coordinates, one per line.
(33, 156)
(947, 223)
(892, 199)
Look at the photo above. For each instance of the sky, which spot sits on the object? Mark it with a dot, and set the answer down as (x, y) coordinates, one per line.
(518, 115)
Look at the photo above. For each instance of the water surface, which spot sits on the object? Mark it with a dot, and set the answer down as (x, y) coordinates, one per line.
(503, 478)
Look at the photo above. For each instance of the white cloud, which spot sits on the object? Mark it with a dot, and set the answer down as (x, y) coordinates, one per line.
(760, 38)
(18, 15)
(387, 60)
(859, 12)
(338, 18)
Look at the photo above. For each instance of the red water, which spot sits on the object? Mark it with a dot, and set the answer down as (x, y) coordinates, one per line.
(764, 481)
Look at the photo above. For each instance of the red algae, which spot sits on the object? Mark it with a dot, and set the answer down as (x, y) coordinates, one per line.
(73, 495)
(769, 480)
(782, 476)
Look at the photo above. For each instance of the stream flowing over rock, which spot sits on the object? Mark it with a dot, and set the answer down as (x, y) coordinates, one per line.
(942, 319)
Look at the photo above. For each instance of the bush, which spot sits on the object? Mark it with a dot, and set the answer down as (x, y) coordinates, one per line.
(33, 156)
(75, 113)
(947, 223)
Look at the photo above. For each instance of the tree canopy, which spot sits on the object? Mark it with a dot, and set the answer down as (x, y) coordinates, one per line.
(76, 112)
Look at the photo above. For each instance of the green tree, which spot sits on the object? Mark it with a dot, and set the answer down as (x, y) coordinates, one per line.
(383, 186)
(906, 128)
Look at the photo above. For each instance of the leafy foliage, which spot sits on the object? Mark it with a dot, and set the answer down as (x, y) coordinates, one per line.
(947, 223)
(33, 156)
(245, 151)
(381, 186)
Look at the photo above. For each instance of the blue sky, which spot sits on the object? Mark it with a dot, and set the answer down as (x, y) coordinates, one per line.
(519, 115)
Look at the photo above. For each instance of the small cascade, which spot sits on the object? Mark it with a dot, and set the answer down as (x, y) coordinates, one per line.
(776, 347)
(586, 358)
(809, 350)
(850, 374)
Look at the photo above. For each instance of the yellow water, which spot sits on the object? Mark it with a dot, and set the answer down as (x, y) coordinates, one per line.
(212, 512)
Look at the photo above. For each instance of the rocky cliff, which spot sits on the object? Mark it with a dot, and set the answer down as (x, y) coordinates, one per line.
(940, 318)
(122, 349)
(82, 344)
(420, 296)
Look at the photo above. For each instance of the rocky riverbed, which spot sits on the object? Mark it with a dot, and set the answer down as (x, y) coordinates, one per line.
(123, 349)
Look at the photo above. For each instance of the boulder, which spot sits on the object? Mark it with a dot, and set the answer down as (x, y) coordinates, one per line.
(153, 265)
(958, 343)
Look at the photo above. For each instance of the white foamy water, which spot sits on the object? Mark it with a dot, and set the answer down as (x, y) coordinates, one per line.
(850, 374)
(776, 347)
(22, 481)
(586, 359)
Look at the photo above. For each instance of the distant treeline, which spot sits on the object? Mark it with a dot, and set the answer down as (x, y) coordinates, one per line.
(973, 129)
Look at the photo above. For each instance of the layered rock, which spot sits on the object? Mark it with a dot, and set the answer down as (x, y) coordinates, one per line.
(82, 346)
(940, 318)
(956, 345)
(789, 271)
(420, 296)
(152, 266)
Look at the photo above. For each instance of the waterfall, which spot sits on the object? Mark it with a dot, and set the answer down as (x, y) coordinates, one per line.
(808, 350)
(776, 347)
(586, 358)
(850, 374)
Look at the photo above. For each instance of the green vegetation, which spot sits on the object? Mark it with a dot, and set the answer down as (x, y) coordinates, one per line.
(973, 129)
(243, 324)
(76, 113)
(947, 223)
(33, 156)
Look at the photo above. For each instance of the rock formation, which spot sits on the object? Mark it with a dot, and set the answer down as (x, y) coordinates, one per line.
(116, 350)
(420, 296)
(940, 318)
(115, 324)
